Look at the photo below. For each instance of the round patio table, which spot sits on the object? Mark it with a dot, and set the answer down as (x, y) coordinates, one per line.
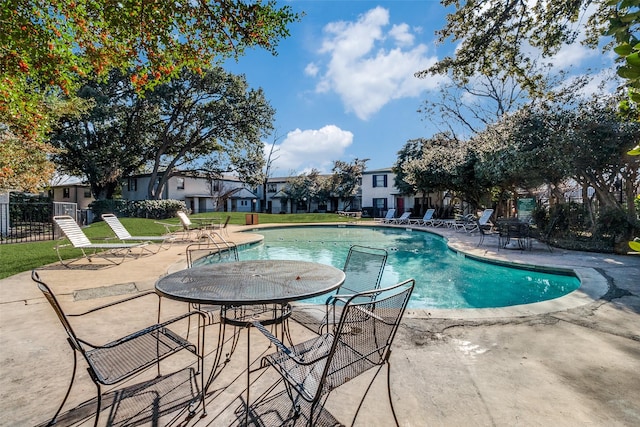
(244, 283)
(251, 282)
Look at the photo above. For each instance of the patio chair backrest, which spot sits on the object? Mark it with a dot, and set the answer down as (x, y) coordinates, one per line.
(184, 219)
(73, 340)
(484, 218)
(72, 231)
(390, 213)
(428, 214)
(363, 269)
(114, 223)
(364, 335)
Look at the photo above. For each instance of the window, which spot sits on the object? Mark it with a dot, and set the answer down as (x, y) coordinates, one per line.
(215, 185)
(180, 182)
(379, 181)
(65, 193)
(272, 188)
(380, 204)
(244, 203)
(132, 184)
(87, 193)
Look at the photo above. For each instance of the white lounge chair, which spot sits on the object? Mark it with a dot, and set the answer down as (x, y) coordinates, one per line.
(121, 233)
(79, 240)
(402, 219)
(187, 226)
(483, 221)
(388, 217)
(427, 219)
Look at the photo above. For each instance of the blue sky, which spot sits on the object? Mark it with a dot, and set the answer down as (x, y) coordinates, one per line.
(343, 83)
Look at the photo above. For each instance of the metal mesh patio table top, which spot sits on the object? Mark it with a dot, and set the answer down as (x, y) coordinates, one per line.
(251, 282)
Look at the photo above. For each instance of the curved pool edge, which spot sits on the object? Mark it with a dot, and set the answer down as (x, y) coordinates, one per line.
(593, 285)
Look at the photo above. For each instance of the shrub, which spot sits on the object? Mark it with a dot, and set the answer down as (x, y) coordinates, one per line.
(613, 223)
(155, 209)
(114, 206)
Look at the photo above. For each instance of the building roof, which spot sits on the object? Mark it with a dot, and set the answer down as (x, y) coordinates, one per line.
(242, 193)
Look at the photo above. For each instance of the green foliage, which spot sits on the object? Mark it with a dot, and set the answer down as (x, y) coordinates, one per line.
(48, 48)
(613, 223)
(114, 206)
(194, 115)
(156, 209)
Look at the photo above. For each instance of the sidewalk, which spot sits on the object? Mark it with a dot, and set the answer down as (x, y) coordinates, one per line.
(570, 362)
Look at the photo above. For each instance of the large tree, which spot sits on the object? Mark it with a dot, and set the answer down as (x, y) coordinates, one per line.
(48, 48)
(213, 115)
(111, 140)
(498, 38)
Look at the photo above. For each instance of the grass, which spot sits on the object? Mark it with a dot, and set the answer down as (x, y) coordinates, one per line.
(18, 257)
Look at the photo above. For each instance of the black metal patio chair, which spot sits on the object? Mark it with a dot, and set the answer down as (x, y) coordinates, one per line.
(361, 341)
(363, 270)
(119, 360)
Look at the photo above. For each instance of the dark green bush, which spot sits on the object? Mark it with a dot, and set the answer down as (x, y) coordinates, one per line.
(114, 206)
(614, 224)
(155, 209)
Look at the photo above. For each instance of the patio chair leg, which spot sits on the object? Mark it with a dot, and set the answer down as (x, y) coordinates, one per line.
(95, 424)
(364, 396)
(64, 400)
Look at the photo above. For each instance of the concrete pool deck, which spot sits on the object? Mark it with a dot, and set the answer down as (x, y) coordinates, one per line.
(573, 361)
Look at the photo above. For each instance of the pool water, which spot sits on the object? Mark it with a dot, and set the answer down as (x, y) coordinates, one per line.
(444, 279)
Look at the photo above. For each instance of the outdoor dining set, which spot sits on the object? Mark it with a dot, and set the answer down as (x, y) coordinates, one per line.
(351, 333)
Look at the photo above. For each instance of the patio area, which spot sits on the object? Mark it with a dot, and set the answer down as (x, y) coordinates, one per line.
(574, 361)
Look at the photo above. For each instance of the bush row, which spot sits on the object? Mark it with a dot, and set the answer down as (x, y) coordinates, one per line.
(154, 209)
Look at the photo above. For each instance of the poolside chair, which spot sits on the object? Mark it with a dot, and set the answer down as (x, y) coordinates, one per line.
(388, 217)
(363, 270)
(361, 341)
(121, 233)
(427, 219)
(483, 221)
(123, 358)
(484, 231)
(191, 228)
(79, 240)
(402, 219)
(222, 227)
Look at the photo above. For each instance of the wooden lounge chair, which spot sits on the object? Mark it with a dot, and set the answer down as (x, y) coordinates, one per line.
(121, 233)
(115, 253)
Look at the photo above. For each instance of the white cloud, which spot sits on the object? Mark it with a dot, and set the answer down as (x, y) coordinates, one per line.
(364, 72)
(311, 148)
(311, 70)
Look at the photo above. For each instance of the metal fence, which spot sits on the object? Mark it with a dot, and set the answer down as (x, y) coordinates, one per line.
(30, 222)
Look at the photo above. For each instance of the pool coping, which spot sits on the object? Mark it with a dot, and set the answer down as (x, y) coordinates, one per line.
(593, 285)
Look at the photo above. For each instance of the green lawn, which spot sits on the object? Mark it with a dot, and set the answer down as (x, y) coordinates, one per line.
(18, 257)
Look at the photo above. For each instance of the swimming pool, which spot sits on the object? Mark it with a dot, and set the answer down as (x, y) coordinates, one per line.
(445, 279)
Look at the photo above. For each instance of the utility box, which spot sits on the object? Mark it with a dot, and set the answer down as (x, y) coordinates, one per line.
(251, 219)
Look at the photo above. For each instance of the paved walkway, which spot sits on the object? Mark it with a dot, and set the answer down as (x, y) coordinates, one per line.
(574, 361)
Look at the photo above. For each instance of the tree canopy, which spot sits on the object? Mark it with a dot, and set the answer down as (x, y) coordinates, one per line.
(48, 49)
(498, 37)
(214, 114)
